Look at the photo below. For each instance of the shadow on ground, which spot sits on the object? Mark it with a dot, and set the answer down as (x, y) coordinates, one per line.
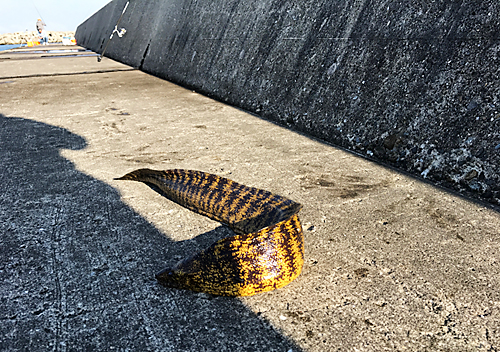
(77, 265)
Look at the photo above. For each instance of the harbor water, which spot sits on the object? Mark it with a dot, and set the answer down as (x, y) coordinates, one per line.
(10, 46)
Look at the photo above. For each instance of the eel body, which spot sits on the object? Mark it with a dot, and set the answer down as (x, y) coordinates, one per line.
(267, 251)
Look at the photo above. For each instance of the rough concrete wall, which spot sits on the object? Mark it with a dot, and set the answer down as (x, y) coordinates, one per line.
(411, 83)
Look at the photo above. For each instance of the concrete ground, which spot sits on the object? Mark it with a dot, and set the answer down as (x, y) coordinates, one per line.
(391, 263)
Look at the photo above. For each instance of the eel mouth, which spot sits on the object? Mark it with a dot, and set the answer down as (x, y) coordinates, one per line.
(168, 278)
(164, 274)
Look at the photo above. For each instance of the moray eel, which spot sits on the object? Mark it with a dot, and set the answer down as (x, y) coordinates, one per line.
(267, 251)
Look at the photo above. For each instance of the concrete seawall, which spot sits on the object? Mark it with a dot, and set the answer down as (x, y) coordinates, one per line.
(412, 84)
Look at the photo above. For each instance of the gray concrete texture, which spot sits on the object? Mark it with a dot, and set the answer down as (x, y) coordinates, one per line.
(391, 263)
(414, 84)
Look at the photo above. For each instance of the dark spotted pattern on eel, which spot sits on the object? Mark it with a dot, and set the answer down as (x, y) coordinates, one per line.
(267, 251)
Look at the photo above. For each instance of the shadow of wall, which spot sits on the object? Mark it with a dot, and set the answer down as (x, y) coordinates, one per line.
(77, 265)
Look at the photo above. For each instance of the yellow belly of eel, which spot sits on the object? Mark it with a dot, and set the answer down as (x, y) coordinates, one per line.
(267, 251)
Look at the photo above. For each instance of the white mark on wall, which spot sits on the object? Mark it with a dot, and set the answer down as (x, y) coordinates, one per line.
(333, 68)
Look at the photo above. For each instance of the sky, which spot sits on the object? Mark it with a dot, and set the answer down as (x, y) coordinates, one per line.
(59, 15)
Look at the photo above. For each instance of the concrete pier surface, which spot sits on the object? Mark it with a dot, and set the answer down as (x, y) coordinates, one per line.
(392, 263)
